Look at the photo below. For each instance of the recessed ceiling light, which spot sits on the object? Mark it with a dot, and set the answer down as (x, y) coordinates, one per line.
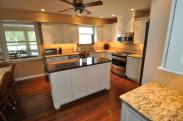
(132, 9)
(113, 15)
(101, 17)
(43, 10)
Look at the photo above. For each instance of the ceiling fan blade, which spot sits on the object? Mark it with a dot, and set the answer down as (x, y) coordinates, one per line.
(96, 3)
(65, 10)
(68, 2)
(88, 12)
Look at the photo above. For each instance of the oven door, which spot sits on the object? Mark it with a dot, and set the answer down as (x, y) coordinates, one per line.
(119, 61)
(119, 66)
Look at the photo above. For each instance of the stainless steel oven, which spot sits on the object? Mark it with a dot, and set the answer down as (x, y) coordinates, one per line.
(119, 60)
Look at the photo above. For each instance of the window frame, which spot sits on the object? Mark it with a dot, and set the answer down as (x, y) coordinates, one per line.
(92, 35)
(4, 42)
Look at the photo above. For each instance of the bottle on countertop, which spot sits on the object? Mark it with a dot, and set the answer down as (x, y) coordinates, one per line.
(60, 50)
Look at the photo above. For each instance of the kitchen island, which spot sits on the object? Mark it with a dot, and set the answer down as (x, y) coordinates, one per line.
(76, 78)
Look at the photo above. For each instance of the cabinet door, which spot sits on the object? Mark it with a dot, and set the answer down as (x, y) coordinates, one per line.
(99, 32)
(75, 33)
(139, 32)
(78, 77)
(51, 33)
(132, 67)
(67, 33)
(114, 29)
(128, 114)
(101, 54)
(109, 55)
(93, 54)
(92, 83)
(107, 33)
(174, 53)
(61, 88)
(104, 76)
(98, 77)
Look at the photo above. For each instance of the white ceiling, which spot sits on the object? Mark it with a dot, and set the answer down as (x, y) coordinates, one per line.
(117, 7)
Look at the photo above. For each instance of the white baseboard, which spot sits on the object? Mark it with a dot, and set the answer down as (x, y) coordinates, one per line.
(30, 77)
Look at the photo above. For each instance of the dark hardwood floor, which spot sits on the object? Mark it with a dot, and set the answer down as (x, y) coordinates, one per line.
(34, 103)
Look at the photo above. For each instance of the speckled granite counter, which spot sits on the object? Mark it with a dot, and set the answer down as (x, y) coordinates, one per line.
(156, 102)
(135, 55)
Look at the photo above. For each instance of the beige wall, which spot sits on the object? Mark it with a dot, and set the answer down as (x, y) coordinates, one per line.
(160, 11)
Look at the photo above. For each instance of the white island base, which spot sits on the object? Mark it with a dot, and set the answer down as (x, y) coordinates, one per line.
(72, 84)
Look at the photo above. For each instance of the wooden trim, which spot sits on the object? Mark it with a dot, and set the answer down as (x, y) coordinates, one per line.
(30, 77)
(142, 13)
(25, 15)
(144, 52)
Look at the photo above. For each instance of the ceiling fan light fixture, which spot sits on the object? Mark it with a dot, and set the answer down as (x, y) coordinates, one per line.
(113, 15)
(132, 9)
(79, 12)
(79, 7)
(43, 10)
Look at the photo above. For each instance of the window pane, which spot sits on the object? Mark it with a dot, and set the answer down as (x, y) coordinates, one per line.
(86, 30)
(85, 39)
(31, 36)
(21, 40)
(14, 36)
(33, 47)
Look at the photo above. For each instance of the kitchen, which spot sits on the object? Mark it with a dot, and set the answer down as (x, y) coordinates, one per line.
(69, 66)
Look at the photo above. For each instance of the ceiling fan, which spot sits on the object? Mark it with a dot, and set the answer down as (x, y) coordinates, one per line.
(79, 7)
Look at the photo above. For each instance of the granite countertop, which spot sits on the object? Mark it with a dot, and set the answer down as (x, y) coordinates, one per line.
(3, 70)
(135, 55)
(156, 102)
(75, 63)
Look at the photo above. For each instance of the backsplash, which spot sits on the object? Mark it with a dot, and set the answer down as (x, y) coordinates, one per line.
(137, 48)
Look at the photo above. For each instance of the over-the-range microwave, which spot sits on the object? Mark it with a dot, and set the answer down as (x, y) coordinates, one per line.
(126, 37)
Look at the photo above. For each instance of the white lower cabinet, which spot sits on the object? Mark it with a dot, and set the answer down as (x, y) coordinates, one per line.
(133, 68)
(98, 77)
(129, 114)
(108, 55)
(61, 88)
(73, 84)
(92, 80)
(78, 78)
(104, 77)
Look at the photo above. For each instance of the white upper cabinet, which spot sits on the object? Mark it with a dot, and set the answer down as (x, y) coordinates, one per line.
(106, 33)
(59, 33)
(114, 31)
(70, 33)
(52, 33)
(99, 32)
(139, 31)
(173, 53)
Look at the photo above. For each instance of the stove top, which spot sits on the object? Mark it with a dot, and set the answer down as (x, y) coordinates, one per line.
(122, 54)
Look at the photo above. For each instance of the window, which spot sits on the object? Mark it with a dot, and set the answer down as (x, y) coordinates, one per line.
(86, 34)
(21, 40)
